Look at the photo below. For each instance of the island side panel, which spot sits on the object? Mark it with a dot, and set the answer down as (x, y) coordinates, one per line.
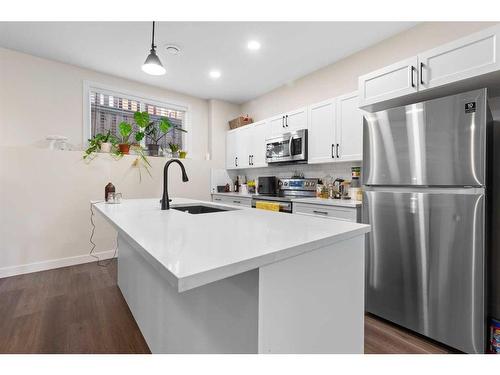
(221, 317)
(314, 302)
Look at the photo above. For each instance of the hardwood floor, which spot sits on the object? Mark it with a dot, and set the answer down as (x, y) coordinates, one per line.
(80, 309)
(382, 337)
(75, 309)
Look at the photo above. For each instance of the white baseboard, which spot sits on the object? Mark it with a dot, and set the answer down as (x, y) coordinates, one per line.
(53, 263)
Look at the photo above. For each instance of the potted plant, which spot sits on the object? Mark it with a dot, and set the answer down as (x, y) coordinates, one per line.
(174, 149)
(107, 141)
(182, 154)
(154, 131)
(101, 142)
(125, 131)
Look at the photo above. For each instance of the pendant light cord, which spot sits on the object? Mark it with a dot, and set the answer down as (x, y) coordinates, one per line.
(153, 38)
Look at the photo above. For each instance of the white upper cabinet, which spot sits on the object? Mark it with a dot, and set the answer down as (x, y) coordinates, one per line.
(336, 130)
(389, 82)
(463, 64)
(231, 161)
(465, 58)
(296, 120)
(349, 129)
(246, 146)
(257, 142)
(321, 134)
(277, 125)
(288, 122)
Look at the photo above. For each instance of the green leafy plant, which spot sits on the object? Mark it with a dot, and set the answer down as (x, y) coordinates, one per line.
(174, 147)
(96, 142)
(125, 131)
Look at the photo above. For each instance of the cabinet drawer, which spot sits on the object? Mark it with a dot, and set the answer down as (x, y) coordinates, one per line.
(235, 201)
(338, 213)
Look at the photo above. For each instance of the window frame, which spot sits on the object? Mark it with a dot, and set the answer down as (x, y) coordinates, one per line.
(89, 86)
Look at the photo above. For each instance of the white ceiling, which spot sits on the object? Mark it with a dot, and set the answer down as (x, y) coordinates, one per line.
(289, 50)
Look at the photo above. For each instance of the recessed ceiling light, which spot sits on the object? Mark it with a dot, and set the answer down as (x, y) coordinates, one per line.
(215, 74)
(253, 45)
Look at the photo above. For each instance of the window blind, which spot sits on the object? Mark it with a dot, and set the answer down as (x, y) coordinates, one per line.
(108, 111)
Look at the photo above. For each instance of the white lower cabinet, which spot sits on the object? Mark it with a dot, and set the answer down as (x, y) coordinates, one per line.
(232, 200)
(336, 130)
(331, 212)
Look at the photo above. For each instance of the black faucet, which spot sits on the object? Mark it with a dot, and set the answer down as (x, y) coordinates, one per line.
(165, 202)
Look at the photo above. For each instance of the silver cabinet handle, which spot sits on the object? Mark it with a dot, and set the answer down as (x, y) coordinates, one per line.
(283, 121)
(333, 151)
(421, 73)
(217, 199)
(286, 121)
(338, 151)
(236, 161)
(320, 212)
(236, 201)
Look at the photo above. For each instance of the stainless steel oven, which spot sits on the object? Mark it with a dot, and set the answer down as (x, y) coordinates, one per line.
(287, 148)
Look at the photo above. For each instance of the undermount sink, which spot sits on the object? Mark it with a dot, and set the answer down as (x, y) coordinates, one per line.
(201, 209)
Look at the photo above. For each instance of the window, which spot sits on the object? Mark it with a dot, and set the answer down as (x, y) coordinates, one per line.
(108, 108)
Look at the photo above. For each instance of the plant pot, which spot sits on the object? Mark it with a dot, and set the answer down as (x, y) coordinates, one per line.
(106, 147)
(124, 148)
(153, 149)
(182, 154)
(174, 154)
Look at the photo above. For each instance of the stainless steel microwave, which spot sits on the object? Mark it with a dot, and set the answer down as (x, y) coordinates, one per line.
(287, 148)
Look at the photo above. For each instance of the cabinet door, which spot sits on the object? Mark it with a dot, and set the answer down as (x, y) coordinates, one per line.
(465, 58)
(277, 125)
(258, 144)
(389, 82)
(296, 120)
(349, 129)
(231, 149)
(243, 139)
(321, 132)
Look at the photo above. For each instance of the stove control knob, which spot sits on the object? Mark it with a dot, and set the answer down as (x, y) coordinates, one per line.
(286, 183)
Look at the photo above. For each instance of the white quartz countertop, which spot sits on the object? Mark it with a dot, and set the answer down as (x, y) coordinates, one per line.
(193, 250)
(330, 202)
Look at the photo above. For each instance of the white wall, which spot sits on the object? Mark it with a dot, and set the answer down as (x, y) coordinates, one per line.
(342, 76)
(40, 97)
(44, 195)
(219, 113)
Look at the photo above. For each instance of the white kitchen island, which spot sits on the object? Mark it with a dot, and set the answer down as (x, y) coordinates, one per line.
(240, 281)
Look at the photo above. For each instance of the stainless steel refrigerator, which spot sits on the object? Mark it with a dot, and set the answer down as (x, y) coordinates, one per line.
(429, 181)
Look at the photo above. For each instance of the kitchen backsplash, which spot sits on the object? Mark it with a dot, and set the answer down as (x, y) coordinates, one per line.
(337, 170)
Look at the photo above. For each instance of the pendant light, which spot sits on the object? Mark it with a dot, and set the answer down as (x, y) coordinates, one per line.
(153, 65)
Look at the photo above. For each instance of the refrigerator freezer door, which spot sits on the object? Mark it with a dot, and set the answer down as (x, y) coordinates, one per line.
(425, 262)
(436, 143)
